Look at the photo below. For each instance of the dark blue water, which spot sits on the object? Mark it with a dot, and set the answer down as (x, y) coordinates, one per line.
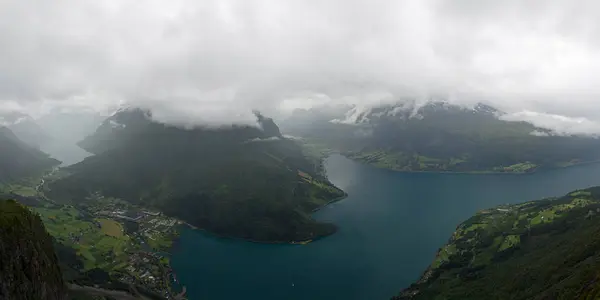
(391, 226)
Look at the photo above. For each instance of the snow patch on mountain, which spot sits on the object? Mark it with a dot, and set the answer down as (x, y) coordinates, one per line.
(356, 115)
(409, 109)
(116, 125)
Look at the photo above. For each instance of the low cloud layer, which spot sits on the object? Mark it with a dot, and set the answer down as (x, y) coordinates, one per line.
(214, 61)
(559, 124)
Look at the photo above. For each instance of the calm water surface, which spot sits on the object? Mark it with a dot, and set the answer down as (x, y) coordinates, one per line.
(391, 226)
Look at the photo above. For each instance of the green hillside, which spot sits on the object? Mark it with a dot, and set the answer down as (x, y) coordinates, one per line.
(546, 249)
(238, 181)
(18, 160)
(447, 138)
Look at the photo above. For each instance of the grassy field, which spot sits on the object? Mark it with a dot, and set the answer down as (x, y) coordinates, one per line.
(517, 168)
(111, 227)
(26, 191)
(510, 241)
(319, 192)
(19, 189)
(63, 223)
(101, 246)
(159, 241)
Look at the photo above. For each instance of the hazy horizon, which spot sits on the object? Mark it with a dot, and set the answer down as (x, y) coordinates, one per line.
(213, 62)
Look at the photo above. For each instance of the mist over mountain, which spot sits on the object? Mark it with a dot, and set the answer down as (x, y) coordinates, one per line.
(511, 55)
(241, 181)
(440, 136)
(65, 130)
(18, 159)
(220, 113)
(25, 128)
(70, 126)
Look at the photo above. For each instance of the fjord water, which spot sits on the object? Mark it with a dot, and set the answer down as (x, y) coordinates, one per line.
(390, 228)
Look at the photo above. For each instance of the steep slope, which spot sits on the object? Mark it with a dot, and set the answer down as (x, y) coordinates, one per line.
(546, 249)
(443, 137)
(28, 265)
(25, 128)
(239, 181)
(18, 159)
(70, 126)
(119, 128)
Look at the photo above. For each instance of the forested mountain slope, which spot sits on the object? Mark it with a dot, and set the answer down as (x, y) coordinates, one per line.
(546, 249)
(240, 181)
(442, 137)
(18, 159)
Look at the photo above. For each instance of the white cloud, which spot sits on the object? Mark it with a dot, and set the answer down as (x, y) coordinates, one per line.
(214, 61)
(557, 123)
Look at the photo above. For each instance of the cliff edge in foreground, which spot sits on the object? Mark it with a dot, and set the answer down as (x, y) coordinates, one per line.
(28, 265)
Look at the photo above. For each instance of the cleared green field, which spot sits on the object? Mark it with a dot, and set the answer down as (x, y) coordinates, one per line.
(111, 227)
(517, 168)
(159, 242)
(98, 247)
(510, 241)
(25, 191)
(64, 223)
(547, 215)
(444, 255)
(580, 194)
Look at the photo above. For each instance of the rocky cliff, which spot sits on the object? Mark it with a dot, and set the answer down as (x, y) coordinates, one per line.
(28, 265)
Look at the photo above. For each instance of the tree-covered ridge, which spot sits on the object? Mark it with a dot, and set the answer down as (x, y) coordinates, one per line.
(18, 159)
(546, 249)
(444, 137)
(240, 181)
(29, 267)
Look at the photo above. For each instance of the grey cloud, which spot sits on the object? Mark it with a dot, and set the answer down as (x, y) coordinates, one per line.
(557, 123)
(214, 61)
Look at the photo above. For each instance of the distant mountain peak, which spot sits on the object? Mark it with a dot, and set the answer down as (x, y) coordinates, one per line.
(411, 109)
(267, 125)
(484, 108)
(24, 127)
(13, 118)
(133, 111)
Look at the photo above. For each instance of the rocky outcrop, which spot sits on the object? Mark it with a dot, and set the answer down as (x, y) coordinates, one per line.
(29, 267)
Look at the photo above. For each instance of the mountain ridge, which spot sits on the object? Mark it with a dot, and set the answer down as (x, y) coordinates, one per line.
(240, 181)
(17, 159)
(25, 127)
(443, 137)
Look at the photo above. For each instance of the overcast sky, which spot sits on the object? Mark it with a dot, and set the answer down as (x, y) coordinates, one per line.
(218, 60)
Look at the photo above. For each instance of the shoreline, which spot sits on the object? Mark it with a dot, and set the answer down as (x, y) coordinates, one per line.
(176, 283)
(327, 152)
(304, 242)
(538, 170)
(340, 198)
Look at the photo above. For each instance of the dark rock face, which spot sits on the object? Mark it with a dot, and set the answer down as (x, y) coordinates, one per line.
(267, 125)
(28, 265)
